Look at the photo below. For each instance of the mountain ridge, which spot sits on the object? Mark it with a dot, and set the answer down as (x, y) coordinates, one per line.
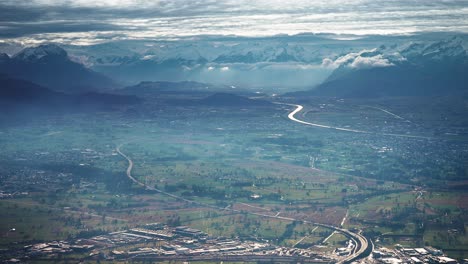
(50, 66)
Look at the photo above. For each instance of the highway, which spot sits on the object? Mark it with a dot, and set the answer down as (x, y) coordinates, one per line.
(299, 108)
(360, 251)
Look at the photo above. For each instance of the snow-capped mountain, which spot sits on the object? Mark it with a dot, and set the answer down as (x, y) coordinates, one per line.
(48, 51)
(50, 66)
(227, 50)
(441, 50)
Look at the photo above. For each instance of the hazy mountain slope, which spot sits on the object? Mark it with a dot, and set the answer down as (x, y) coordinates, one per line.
(402, 80)
(413, 70)
(227, 100)
(19, 94)
(146, 88)
(152, 88)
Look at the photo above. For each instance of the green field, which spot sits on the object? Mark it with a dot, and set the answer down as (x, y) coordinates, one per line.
(74, 182)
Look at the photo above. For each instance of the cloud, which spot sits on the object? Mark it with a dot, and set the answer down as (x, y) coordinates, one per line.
(328, 63)
(225, 68)
(370, 62)
(162, 19)
(148, 57)
(364, 59)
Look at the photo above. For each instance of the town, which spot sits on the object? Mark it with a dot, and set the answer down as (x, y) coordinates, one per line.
(159, 242)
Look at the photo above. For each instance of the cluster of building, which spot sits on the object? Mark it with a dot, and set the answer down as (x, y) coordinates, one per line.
(346, 251)
(5, 195)
(161, 242)
(186, 242)
(56, 247)
(411, 255)
(19, 182)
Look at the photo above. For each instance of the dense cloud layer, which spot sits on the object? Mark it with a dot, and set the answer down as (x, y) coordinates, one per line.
(359, 60)
(95, 21)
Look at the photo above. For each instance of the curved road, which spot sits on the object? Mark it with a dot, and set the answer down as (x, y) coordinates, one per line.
(362, 245)
(299, 108)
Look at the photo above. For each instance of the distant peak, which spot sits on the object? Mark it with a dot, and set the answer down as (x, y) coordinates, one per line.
(454, 42)
(448, 48)
(36, 53)
(457, 40)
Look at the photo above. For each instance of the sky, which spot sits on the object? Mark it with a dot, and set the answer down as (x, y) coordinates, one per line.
(90, 21)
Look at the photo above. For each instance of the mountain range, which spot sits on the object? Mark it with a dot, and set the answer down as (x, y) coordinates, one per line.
(407, 68)
(254, 62)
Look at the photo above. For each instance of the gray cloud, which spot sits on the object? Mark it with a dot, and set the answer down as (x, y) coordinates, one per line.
(16, 30)
(137, 19)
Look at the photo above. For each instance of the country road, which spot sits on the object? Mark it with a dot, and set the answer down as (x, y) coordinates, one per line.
(390, 113)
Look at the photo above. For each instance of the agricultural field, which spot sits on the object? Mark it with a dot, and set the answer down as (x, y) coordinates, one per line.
(234, 170)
